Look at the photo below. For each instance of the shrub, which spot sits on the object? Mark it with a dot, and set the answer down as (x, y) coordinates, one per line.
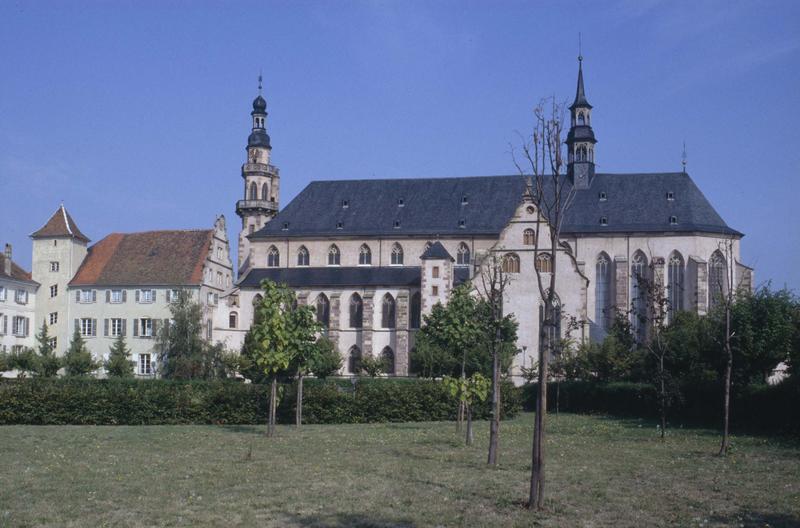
(86, 401)
(754, 407)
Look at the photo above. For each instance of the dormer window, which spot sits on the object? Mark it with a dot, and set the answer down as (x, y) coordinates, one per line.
(603, 196)
(670, 196)
(285, 226)
(397, 224)
(673, 220)
(339, 225)
(345, 204)
(462, 223)
(400, 202)
(603, 221)
(464, 200)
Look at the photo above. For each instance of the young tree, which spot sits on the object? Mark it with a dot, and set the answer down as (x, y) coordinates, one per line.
(302, 326)
(119, 364)
(653, 317)
(494, 281)
(551, 194)
(726, 288)
(269, 348)
(47, 363)
(78, 361)
(468, 391)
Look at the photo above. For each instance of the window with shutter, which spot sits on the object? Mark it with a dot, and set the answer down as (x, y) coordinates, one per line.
(124, 323)
(153, 296)
(94, 296)
(94, 327)
(137, 296)
(124, 296)
(77, 296)
(105, 327)
(135, 328)
(108, 296)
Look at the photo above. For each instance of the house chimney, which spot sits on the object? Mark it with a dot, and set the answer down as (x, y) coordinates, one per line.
(7, 263)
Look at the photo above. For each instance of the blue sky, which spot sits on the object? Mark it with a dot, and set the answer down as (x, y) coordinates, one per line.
(136, 114)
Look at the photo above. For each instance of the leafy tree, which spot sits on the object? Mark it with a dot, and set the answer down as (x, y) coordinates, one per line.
(468, 391)
(327, 361)
(183, 352)
(271, 346)
(371, 366)
(78, 361)
(119, 364)
(23, 360)
(47, 363)
(302, 326)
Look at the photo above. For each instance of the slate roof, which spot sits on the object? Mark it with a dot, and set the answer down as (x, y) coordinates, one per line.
(635, 203)
(341, 277)
(373, 207)
(60, 224)
(17, 272)
(639, 203)
(436, 252)
(151, 258)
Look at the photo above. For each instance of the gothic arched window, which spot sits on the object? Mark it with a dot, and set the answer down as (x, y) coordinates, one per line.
(602, 292)
(364, 255)
(397, 254)
(334, 256)
(639, 279)
(510, 263)
(253, 191)
(323, 311)
(273, 257)
(717, 279)
(387, 360)
(462, 255)
(388, 319)
(356, 311)
(416, 310)
(544, 263)
(265, 192)
(529, 237)
(354, 360)
(233, 319)
(581, 119)
(675, 284)
(302, 256)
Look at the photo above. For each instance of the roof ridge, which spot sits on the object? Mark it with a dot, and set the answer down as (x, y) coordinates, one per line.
(437, 178)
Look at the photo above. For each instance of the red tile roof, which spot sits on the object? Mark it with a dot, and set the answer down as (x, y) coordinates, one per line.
(60, 224)
(152, 258)
(17, 273)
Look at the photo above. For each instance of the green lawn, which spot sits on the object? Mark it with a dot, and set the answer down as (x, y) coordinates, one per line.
(602, 472)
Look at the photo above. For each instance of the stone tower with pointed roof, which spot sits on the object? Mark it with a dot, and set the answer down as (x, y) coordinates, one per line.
(580, 140)
(261, 181)
(59, 248)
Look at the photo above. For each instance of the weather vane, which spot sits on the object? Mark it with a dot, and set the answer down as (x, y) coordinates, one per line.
(580, 50)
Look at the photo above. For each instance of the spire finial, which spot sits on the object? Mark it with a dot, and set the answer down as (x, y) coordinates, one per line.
(259, 82)
(580, 50)
(683, 157)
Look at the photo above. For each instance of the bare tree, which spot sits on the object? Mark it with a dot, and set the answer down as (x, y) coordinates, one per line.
(551, 193)
(493, 283)
(726, 296)
(652, 316)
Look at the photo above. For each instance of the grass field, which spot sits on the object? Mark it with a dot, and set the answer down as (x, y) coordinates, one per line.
(602, 472)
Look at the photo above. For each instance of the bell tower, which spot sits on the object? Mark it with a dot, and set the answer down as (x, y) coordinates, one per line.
(580, 140)
(261, 181)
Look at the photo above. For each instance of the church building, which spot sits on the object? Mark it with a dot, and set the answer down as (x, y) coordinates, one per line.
(373, 256)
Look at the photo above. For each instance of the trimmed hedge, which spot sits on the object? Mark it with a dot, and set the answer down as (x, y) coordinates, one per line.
(773, 408)
(157, 402)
